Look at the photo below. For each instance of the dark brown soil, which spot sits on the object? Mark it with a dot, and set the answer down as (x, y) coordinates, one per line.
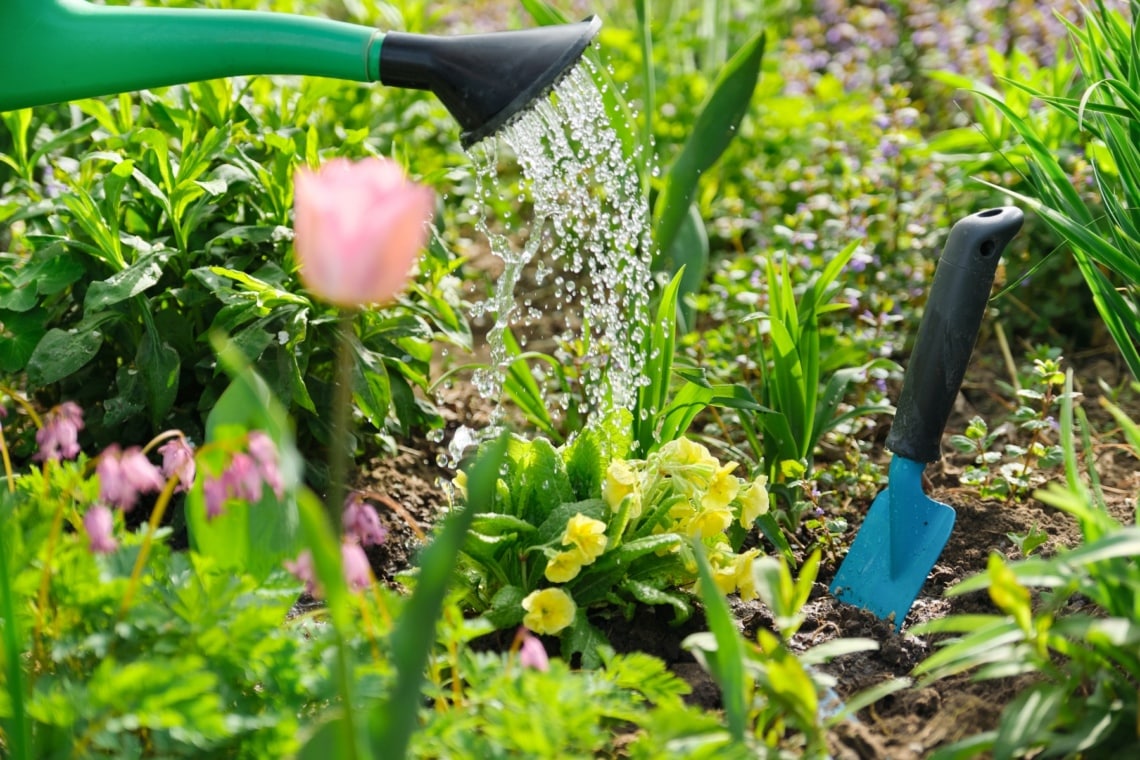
(908, 724)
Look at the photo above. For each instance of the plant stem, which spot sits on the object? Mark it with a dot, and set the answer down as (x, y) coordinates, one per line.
(341, 411)
(18, 739)
(11, 477)
(45, 581)
(148, 540)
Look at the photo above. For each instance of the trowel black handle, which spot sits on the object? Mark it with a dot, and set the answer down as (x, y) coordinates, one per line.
(948, 331)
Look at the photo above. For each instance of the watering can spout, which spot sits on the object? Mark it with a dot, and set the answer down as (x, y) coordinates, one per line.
(58, 50)
(485, 80)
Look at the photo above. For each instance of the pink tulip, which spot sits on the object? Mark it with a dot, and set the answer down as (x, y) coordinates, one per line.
(359, 228)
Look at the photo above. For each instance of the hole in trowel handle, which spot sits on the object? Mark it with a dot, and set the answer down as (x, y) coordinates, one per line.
(990, 212)
(987, 249)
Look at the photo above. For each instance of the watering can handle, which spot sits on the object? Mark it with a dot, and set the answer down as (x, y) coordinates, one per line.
(948, 331)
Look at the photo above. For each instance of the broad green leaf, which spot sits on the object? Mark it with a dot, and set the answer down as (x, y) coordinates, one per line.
(20, 333)
(582, 637)
(494, 524)
(254, 538)
(506, 608)
(689, 250)
(649, 594)
(60, 353)
(159, 365)
(135, 279)
(555, 523)
(716, 125)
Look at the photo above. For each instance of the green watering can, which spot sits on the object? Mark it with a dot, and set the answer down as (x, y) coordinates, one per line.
(57, 50)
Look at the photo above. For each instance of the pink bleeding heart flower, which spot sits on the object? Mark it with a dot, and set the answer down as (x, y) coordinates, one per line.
(356, 569)
(59, 436)
(361, 523)
(359, 228)
(532, 654)
(123, 475)
(178, 460)
(99, 525)
(264, 453)
(304, 570)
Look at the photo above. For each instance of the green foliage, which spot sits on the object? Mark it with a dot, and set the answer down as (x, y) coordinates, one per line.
(507, 711)
(657, 417)
(799, 407)
(774, 697)
(1008, 471)
(140, 224)
(1083, 701)
(1104, 239)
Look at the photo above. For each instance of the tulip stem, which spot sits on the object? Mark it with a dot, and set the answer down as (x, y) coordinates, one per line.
(341, 411)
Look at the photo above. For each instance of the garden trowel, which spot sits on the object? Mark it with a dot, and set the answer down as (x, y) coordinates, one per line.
(905, 530)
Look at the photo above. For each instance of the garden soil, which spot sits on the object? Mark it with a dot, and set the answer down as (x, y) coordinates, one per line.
(908, 724)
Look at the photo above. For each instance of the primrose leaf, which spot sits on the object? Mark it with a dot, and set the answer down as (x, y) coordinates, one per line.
(584, 638)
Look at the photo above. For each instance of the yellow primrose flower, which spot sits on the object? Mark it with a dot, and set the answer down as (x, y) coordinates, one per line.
(682, 452)
(754, 501)
(548, 610)
(460, 482)
(564, 566)
(722, 488)
(709, 522)
(724, 569)
(745, 580)
(587, 534)
(622, 481)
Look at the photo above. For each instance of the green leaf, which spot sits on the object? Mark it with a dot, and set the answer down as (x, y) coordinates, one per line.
(370, 386)
(539, 481)
(649, 594)
(716, 125)
(61, 353)
(555, 523)
(135, 279)
(253, 538)
(725, 662)
(20, 333)
(689, 251)
(583, 638)
(413, 638)
(506, 608)
(159, 365)
(1025, 721)
(493, 524)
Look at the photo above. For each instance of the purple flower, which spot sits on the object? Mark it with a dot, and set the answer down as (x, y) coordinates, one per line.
(357, 571)
(303, 569)
(532, 654)
(59, 436)
(361, 523)
(264, 452)
(99, 524)
(123, 475)
(178, 459)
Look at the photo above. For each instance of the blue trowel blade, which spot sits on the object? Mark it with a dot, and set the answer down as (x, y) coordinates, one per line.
(896, 547)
